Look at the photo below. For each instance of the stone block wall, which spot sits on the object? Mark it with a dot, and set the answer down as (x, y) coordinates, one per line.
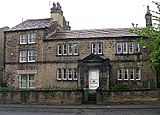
(128, 97)
(58, 97)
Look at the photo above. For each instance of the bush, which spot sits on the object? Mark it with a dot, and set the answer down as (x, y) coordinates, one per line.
(121, 87)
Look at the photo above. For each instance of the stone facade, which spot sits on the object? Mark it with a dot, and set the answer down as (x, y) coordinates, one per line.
(57, 57)
(2, 51)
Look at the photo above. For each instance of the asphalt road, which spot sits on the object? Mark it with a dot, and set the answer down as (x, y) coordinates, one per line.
(80, 110)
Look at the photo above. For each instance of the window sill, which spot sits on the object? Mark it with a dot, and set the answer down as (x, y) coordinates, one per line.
(98, 54)
(129, 54)
(66, 55)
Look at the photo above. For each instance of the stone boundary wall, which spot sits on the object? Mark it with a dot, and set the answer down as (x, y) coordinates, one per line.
(128, 97)
(75, 97)
(57, 97)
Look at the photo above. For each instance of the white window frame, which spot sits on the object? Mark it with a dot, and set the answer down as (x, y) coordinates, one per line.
(125, 72)
(70, 49)
(139, 74)
(64, 49)
(119, 48)
(94, 48)
(131, 47)
(23, 55)
(70, 74)
(118, 74)
(75, 49)
(31, 81)
(125, 48)
(23, 81)
(100, 48)
(31, 38)
(23, 39)
(131, 74)
(59, 74)
(31, 55)
(75, 74)
(26, 81)
(65, 74)
(59, 49)
(136, 45)
(97, 48)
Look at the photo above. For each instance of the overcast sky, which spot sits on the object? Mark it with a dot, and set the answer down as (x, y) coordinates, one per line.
(82, 14)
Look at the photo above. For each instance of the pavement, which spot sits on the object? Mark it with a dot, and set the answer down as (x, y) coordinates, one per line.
(83, 106)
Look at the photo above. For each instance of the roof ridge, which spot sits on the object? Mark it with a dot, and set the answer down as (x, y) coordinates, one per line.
(38, 19)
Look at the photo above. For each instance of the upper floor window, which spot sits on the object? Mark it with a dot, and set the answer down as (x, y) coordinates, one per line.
(25, 56)
(31, 38)
(31, 56)
(23, 39)
(97, 48)
(68, 49)
(127, 48)
(129, 74)
(27, 81)
(27, 38)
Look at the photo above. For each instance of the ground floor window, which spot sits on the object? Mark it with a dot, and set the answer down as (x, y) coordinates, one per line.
(129, 74)
(27, 81)
(66, 74)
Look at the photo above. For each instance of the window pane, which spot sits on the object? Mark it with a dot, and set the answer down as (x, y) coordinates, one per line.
(59, 74)
(119, 48)
(125, 74)
(94, 48)
(31, 56)
(23, 56)
(69, 74)
(31, 38)
(64, 74)
(31, 81)
(136, 48)
(119, 73)
(23, 39)
(59, 49)
(75, 74)
(23, 81)
(70, 49)
(131, 74)
(100, 46)
(137, 74)
(75, 49)
(64, 49)
(125, 48)
(130, 45)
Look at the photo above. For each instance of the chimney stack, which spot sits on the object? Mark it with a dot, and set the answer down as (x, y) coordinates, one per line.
(148, 18)
(57, 15)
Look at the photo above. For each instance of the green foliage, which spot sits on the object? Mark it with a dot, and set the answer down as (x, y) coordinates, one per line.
(153, 38)
(7, 89)
(121, 86)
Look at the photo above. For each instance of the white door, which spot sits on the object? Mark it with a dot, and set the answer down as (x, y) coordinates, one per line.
(93, 79)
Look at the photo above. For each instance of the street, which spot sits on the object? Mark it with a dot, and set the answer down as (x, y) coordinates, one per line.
(80, 110)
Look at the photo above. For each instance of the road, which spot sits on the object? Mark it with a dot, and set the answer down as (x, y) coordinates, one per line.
(80, 110)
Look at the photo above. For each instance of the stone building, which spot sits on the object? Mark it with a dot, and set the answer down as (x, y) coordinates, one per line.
(46, 53)
(2, 51)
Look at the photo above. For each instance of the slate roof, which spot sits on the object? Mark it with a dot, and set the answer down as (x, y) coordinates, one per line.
(32, 24)
(66, 34)
(93, 33)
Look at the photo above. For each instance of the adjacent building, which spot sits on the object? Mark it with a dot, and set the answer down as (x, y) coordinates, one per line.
(2, 51)
(46, 53)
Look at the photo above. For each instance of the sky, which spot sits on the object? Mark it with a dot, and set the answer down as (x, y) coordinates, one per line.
(82, 14)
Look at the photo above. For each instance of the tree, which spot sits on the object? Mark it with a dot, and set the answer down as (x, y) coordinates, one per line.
(152, 33)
